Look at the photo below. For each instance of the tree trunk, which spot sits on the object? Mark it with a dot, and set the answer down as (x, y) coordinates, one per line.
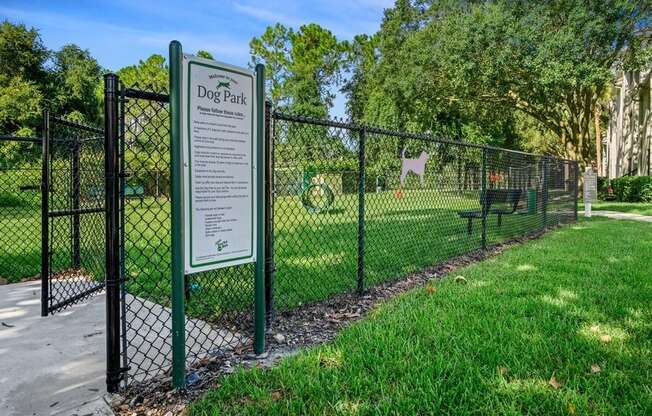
(598, 139)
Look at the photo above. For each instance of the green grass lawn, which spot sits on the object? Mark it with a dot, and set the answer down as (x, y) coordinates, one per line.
(573, 305)
(20, 242)
(630, 207)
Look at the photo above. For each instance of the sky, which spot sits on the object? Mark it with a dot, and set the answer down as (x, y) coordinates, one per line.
(121, 32)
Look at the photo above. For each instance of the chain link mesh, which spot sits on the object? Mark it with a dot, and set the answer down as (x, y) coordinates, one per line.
(76, 214)
(425, 201)
(218, 303)
(20, 209)
(353, 206)
(315, 211)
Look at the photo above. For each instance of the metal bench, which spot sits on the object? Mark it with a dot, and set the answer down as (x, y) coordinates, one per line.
(130, 192)
(135, 192)
(507, 197)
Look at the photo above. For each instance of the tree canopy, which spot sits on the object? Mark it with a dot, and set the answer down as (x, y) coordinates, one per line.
(518, 73)
(303, 66)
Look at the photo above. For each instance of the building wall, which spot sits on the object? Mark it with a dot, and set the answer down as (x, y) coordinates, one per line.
(628, 142)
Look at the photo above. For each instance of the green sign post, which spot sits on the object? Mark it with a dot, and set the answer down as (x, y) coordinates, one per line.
(218, 176)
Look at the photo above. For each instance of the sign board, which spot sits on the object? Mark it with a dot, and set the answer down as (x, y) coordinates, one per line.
(590, 186)
(218, 153)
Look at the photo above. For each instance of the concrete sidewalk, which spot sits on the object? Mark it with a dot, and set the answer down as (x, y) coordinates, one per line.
(619, 215)
(57, 365)
(53, 365)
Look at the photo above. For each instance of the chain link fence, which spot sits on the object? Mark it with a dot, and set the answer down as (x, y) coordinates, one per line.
(356, 206)
(20, 208)
(218, 303)
(351, 207)
(75, 234)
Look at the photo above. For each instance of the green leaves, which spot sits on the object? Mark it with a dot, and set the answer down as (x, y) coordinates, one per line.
(524, 74)
(302, 66)
(75, 79)
(33, 77)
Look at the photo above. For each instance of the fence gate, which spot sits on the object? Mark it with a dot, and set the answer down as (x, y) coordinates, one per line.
(73, 215)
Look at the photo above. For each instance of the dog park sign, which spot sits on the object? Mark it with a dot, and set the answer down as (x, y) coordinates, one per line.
(217, 180)
(218, 144)
(218, 170)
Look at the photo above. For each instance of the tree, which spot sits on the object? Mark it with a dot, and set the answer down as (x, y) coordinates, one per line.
(204, 54)
(22, 77)
(151, 73)
(361, 60)
(22, 53)
(76, 75)
(500, 71)
(32, 78)
(303, 66)
(273, 49)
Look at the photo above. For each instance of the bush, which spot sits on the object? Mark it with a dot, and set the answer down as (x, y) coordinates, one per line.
(633, 188)
(603, 187)
(8, 200)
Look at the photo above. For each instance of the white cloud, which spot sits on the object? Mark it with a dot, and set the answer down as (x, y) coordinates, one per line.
(268, 15)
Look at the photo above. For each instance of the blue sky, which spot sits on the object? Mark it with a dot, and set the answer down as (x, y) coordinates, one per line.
(120, 32)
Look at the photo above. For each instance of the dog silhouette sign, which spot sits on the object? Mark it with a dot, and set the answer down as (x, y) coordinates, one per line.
(416, 166)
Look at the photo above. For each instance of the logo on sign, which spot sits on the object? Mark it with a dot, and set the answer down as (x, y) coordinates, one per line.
(221, 245)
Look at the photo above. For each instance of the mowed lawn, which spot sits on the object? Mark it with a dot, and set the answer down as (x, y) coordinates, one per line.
(20, 242)
(559, 325)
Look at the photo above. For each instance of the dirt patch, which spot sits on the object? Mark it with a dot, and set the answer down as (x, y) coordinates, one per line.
(305, 326)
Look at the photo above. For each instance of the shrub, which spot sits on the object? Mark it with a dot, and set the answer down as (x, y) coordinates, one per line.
(633, 188)
(8, 200)
(603, 187)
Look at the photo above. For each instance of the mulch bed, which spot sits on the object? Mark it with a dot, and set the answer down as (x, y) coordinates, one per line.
(305, 326)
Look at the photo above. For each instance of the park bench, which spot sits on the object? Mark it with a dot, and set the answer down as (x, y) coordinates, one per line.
(30, 187)
(130, 192)
(508, 198)
(135, 192)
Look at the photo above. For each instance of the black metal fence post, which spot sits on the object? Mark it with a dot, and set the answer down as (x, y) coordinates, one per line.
(112, 198)
(45, 222)
(576, 179)
(123, 289)
(75, 195)
(485, 203)
(269, 216)
(544, 193)
(361, 214)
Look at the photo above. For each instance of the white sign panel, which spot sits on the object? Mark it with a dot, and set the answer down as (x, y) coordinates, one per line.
(590, 186)
(218, 130)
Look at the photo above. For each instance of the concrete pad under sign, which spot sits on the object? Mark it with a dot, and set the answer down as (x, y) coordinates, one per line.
(57, 365)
